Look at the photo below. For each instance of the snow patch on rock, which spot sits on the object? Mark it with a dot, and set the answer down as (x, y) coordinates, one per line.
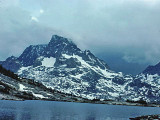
(21, 87)
(48, 62)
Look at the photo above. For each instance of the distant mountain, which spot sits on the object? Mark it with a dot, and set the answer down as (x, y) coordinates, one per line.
(147, 83)
(152, 69)
(62, 66)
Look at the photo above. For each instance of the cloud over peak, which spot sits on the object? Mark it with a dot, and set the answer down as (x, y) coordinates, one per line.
(128, 27)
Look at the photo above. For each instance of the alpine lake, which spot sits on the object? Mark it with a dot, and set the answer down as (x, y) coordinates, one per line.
(52, 110)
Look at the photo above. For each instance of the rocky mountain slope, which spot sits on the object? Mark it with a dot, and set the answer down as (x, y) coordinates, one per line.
(62, 66)
(13, 87)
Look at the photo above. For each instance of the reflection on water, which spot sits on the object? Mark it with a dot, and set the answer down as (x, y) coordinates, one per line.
(49, 110)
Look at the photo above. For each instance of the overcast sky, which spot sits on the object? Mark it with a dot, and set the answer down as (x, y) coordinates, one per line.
(115, 30)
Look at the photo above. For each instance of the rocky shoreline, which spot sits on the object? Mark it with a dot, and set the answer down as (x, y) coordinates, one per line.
(147, 117)
(83, 100)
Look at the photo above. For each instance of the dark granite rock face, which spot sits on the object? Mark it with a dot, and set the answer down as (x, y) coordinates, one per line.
(59, 45)
(73, 63)
(12, 63)
(152, 69)
(31, 53)
(37, 62)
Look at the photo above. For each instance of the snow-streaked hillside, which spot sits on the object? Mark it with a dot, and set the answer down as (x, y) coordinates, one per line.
(13, 87)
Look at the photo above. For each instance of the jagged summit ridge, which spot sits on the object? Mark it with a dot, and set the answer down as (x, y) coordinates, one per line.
(31, 53)
(61, 39)
(60, 45)
(58, 49)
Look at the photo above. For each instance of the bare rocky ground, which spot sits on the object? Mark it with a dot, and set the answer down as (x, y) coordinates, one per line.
(26, 89)
(147, 117)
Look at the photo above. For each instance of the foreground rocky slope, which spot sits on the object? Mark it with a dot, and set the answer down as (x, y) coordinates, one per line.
(62, 66)
(13, 87)
(147, 117)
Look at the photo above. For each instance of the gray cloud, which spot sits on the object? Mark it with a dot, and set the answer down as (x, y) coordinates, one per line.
(127, 27)
(18, 31)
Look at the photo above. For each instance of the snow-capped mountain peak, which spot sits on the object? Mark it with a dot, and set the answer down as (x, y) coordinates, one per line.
(59, 45)
(62, 66)
(60, 39)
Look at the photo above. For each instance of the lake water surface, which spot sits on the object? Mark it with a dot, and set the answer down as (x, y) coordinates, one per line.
(50, 110)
